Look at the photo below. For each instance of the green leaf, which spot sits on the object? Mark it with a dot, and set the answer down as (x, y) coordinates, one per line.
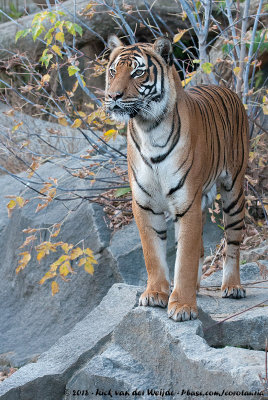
(72, 70)
(221, 227)
(78, 29)
(37, 30)
(207, 67)
(120, 192)
(70, 27)
(21, 34)
(45, 58)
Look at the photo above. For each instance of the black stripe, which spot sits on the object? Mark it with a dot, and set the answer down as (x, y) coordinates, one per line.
(233, 224)
(239, 229)
(239, 210)
(182, 181)
(183, 162)
(148, 209)
(139, 184)
(131, 129)
(180, 215)
(162, 234)
(157, 122)
(233, 242)
(234, 203)
(162, 157)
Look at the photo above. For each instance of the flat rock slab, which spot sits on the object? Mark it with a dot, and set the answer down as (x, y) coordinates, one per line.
(120, 347)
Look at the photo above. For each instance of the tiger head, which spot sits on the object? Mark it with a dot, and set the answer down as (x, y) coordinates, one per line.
(138, 79)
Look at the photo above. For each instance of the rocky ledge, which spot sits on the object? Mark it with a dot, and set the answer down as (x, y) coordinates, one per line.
(121, 350)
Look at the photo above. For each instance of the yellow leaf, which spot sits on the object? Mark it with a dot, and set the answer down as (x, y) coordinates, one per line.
(76, 253)
(265, 109)
(88, 252)
(33, 167)
(60, 37)
(40, 255)
(179, 35)
(29, 230)
(23, 261)
(52, 193)
(89, 268)
(54, 288)
(65, 268)
(48, 275)
(82, 261)
(12, 204)
(46, 78)
(63, 121)
(20, 201)
(110, 132)
(16, 126)
(218, 197)
(237, 71)
(28, 240)
(76, 123)
(87, 7)
(75, 86)
(56, 230)
(82, 114)
(186, 81)
(41, 206)
(66, 247)
(57, 50)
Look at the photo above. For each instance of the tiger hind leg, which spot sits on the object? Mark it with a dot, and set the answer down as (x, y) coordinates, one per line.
(233, 212)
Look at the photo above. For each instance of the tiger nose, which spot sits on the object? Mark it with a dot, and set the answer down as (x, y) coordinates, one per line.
(116, 95)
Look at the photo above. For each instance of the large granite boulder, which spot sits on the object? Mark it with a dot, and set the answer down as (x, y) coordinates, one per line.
(122, 348)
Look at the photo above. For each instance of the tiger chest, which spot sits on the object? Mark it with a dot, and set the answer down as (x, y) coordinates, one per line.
(151, 186)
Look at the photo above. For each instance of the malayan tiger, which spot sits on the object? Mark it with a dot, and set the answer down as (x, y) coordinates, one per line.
(182, 144)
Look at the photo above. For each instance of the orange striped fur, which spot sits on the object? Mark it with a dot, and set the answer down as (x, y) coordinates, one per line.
(182, 144)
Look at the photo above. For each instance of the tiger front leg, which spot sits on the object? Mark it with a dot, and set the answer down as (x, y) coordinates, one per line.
(182, 302)
(153, 234)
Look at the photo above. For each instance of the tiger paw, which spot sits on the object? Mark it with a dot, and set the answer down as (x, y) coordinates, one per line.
(181, 312)
(233, 291)
(153, 298)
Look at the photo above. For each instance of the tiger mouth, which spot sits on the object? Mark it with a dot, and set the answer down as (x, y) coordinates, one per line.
(122, 110)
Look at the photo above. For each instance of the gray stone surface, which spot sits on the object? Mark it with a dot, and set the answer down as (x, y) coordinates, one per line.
(27, 310)
(250, 326)
(46, 378)
(44, 138)
(123, 347)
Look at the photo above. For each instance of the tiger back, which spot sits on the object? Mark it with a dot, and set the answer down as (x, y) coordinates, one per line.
(183, 145)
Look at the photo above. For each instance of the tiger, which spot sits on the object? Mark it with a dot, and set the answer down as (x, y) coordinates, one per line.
(183, 147)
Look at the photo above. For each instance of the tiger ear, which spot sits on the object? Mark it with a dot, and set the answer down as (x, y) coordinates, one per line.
(163, 46)
(114, 42)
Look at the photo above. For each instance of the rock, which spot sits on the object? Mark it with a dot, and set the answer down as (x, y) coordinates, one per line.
(258, 253)
(21, 7)
(55, 367)
(102, 23)
(42, 138)
(248, 329)
(120, 346)
(28, 311)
